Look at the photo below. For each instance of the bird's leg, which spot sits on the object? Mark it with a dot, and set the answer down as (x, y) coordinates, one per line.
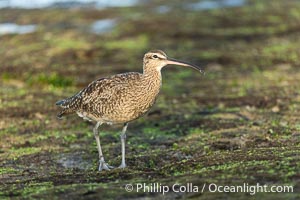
(102, 163)
(123, 138)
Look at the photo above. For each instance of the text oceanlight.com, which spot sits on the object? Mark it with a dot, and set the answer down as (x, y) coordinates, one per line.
(206, 187)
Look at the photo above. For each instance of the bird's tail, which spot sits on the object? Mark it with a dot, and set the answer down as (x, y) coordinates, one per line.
(63, 112)
(60, 103)
(60, 114)
(63, 103)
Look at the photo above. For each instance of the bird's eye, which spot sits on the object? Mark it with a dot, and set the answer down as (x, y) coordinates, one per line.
(155, 56)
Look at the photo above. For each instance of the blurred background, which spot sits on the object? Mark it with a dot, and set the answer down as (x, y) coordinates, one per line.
(237, 124)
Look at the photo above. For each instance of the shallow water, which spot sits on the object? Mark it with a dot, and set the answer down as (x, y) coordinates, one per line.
(12, 28)
(103, 26)
(66, 3)
(215, 4)
(163, 9)
(74, 160)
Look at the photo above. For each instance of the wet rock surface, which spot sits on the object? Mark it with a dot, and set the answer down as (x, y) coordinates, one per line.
(237, 124)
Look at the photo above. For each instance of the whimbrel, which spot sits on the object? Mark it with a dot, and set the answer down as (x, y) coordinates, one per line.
(120, 98)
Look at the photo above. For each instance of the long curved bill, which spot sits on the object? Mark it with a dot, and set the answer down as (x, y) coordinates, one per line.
(171, 61)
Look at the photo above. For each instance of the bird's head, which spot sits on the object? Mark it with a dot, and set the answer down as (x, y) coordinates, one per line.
(157, 59)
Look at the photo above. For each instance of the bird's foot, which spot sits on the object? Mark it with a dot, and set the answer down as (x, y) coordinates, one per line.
(122, 166)
(104, 166)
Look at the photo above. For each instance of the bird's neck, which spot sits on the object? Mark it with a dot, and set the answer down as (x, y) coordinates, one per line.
(153, 77)
(152, 72)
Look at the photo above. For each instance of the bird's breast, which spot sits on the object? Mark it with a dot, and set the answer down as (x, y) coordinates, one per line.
(137, 102)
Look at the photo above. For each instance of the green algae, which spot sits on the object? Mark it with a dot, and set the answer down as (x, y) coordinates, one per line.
(237, 123)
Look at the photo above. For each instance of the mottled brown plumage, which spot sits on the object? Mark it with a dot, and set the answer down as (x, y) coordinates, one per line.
(120, 98)
(116, 99)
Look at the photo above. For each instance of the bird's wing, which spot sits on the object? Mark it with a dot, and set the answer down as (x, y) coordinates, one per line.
(99, 92)
(105, 90)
